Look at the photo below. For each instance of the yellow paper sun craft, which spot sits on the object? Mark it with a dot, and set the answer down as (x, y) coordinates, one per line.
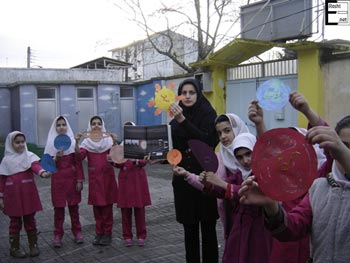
(163, 98)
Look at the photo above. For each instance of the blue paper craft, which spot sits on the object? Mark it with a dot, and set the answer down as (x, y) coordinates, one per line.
(62, 142)
(47, 163)
(273, 94)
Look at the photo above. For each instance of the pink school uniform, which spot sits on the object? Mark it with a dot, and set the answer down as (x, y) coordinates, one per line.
(247, 240)
(20, 194)
(133, 195)
(103, 188)
(64, 183)
(298, 250)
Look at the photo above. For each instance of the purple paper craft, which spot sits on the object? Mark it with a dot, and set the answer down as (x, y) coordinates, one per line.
(205, 155)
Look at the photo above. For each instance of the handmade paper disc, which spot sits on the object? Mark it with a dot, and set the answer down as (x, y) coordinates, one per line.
(47, 163)
(174, 157)
(284, 164)
(62, 142)
(205, 155)
(117, 154)
(273, 94)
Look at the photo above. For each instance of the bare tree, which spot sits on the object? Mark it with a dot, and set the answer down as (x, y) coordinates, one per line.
(204, 21)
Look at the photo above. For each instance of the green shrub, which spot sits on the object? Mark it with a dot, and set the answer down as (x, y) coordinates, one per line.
(35, 149)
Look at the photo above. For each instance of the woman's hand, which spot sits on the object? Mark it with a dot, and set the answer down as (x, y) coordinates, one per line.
(177, 112)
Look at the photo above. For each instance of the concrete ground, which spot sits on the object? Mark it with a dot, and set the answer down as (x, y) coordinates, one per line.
(164, 235)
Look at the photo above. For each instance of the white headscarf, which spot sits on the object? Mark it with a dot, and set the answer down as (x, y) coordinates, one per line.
(14, 162)
(226, 152)
(246, 140)
(97, 147)
(50, 147)
(321, 157)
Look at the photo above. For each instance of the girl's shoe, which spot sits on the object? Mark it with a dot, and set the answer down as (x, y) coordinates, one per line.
(106, 240)
(78, 238)
(128, 242)
(141, 242)
(97, 239)
(57, 241)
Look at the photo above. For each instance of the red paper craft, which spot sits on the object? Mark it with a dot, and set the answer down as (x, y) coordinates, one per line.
(284, 164)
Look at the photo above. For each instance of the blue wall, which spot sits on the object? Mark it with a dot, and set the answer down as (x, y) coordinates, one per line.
(5, 113)
(28, 116)
(67, 104)
(108, 105)
(144, 114)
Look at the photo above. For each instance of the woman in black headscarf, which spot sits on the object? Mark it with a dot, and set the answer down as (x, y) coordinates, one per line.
(194, 119)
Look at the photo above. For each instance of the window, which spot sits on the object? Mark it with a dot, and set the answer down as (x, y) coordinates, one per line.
(46, 93)
(126, 93)
(85, 93)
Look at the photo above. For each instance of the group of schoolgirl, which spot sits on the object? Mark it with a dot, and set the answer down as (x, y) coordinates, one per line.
(258, 229)
(19, 197)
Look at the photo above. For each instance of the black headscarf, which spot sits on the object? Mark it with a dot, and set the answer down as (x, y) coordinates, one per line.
(201, 114)
(202, 105)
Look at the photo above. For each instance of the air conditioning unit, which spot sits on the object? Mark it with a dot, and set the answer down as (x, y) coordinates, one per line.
(204, 79)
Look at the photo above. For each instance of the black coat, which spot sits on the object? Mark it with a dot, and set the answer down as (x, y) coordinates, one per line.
(192, 205)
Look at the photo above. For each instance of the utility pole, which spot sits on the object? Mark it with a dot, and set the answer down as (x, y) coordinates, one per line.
(28, 57)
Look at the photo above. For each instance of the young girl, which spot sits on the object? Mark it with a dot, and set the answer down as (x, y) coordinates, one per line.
(134, 195)
(294, 251)
(66, 182)
(244, 225)
(19, 197)
(103, 189)
(324, 212)
(227, 126)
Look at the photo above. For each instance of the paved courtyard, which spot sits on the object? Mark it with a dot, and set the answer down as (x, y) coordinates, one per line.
(164, 235)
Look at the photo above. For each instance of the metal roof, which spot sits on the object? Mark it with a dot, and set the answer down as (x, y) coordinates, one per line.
(240, 50)
(104, 63)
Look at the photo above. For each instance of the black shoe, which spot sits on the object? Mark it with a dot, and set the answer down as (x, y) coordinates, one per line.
(97, 240)
(106, 240)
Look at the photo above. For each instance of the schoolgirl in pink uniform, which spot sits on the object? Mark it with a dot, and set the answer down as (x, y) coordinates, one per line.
(19, 197)
(134, 195)
(103, 188)
(66, 182)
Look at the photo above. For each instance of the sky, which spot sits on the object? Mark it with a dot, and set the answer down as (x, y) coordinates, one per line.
(61, 33)
(66, 33)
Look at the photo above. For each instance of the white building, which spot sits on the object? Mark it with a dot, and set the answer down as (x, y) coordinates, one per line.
(149, 63)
